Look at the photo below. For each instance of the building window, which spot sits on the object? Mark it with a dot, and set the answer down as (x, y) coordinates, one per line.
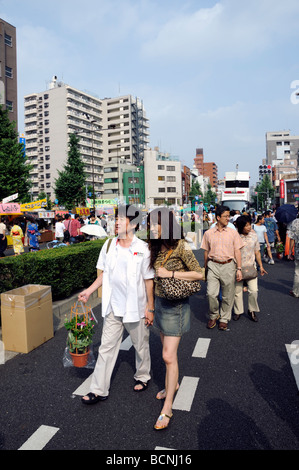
(161, 178)
(8, 40)
(171, 178)
(161, 167)
(161, 190)
(171, 190)
(170, 168)
(9, 105)
(8, 72)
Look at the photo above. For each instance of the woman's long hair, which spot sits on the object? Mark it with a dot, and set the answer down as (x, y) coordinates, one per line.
(171, 231)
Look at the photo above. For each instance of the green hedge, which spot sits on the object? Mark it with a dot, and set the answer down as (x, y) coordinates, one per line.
(65, 269)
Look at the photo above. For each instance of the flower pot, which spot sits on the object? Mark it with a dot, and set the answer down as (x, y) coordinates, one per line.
(80, 360)
(279, 255)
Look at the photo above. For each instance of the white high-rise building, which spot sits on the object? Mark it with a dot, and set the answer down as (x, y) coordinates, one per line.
(50, 118)
(128, 134)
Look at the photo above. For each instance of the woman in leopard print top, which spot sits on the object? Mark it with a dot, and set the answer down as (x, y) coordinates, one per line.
(172, 317)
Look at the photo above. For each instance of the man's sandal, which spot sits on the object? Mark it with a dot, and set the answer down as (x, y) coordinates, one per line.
(92, 399)
(161, 417)
(144, 386)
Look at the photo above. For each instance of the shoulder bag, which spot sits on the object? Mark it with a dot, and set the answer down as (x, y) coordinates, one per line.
(176, 289)
(248, 273)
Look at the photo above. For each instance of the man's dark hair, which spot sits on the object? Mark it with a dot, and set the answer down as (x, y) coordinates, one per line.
(220, 210)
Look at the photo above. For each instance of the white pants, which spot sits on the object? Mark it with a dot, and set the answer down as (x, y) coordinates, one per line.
(112, 335)
(252, 296)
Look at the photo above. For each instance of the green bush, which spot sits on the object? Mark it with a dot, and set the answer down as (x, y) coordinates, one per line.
(65, 269)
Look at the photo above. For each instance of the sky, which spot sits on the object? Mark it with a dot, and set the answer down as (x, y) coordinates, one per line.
(211, 74)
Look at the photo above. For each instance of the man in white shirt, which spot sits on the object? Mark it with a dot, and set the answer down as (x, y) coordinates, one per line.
(127, 302)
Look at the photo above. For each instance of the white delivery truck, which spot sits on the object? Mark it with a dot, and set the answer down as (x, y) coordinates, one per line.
(235, 194)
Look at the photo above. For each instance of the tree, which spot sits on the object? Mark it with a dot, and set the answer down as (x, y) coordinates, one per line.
(70, 184)
(14, 173)
(210, 196)
(195, 190)
(264, 191)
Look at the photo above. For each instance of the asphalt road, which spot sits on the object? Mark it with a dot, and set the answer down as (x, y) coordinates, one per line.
(238, 391)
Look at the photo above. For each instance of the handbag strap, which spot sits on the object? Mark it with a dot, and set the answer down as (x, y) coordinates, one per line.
(168, 256)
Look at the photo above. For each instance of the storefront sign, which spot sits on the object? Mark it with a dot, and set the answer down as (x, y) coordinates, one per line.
(281, 189)
(82, 211)
(46, 215)
(35, 205)
(10, 198)
(10, 208)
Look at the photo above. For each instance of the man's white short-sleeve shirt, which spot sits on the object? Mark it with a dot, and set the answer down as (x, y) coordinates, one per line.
(124, 273)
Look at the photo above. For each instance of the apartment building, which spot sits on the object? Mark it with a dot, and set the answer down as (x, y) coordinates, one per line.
(128, 129)
(50, 118)
(8, 69)
(163, 179)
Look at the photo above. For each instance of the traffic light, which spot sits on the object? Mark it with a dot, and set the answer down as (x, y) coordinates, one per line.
(264, 170)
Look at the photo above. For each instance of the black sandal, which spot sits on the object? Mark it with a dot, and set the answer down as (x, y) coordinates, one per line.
(144, 386)
(92, 399)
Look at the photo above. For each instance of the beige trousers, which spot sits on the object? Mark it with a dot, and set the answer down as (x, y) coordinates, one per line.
(296, 279)
(224, 276)
(252, 297)
(112, 335)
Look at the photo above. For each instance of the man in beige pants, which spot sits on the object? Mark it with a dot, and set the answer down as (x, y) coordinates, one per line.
(222, 246)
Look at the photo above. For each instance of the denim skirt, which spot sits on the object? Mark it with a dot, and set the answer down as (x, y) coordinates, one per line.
(172, 317)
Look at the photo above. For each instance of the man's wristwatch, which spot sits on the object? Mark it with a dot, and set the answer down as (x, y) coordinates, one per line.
(239, 269)
(152, 311)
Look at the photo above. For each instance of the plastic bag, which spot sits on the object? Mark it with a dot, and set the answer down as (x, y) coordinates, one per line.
(79, 348)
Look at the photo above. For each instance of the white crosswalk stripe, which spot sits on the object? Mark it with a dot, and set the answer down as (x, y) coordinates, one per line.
(201, 348)
(293, 353)
(184, 397)
(40, 438)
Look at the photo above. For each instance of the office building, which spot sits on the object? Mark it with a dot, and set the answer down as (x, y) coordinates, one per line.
(281, 146)
(206, 169)
(8, 69)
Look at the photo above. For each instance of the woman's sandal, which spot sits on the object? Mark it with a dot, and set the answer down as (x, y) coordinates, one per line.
(161, 417)
(92, 399)
(162, 394)
(144, 386)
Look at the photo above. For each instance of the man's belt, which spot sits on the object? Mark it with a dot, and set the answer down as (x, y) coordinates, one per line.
(220, 262)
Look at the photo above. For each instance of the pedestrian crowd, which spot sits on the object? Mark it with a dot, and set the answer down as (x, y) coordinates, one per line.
(149, 282)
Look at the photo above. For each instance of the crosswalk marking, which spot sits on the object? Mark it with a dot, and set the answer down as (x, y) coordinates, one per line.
(184, 397)
(293, 353)
(126, 344)
(84, 388)
(40, 438)
(201, 348)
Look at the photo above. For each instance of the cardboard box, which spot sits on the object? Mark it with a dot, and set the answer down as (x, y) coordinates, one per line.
(27, 317)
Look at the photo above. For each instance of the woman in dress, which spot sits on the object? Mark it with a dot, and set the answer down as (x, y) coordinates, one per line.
(172, 317)
(17, 235)
(250, 253)
(33, 234)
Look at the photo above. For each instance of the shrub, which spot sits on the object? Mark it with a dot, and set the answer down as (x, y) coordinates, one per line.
(65, 269)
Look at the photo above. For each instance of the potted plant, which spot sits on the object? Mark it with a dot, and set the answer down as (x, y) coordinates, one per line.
(80, 329)
(279, 250)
